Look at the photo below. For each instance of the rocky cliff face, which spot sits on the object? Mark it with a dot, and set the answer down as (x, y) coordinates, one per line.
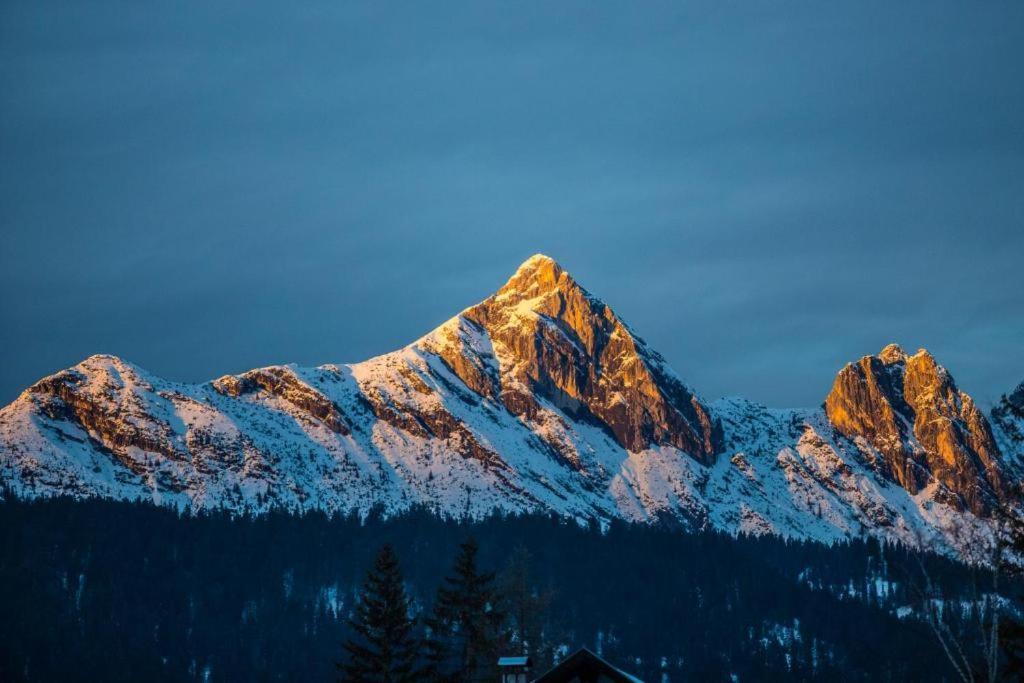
(925, 431)
(539, 398)
(1008, 425)
(551, 339)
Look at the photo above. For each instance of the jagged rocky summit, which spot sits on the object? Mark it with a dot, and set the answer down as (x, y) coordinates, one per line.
(921, 430)
(1008, 424)
(539, 398)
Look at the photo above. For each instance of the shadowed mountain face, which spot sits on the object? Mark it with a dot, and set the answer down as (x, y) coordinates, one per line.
(1008, 425)
(926, 430)
(539, 398)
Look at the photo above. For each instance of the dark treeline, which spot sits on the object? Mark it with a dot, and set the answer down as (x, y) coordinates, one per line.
(100, 590)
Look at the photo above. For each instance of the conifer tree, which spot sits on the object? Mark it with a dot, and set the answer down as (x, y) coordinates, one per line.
(1011, 629)
(526, 608)
(466, 626)
(385, 649)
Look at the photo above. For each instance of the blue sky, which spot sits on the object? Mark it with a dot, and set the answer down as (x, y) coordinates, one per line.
(764, 191)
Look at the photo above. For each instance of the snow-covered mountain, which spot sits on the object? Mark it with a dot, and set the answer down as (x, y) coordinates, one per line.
(538, 398)
(1008, 426)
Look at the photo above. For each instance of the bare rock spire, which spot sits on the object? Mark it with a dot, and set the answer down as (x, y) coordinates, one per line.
(553, 340)
(909, 409)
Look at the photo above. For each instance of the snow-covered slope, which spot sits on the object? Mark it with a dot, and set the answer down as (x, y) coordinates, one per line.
(1008, 427)
(539, 398)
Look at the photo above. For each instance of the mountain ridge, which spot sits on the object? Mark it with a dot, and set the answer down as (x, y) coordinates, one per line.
(537, 398)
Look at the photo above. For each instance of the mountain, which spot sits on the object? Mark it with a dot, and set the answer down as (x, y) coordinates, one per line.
(539, 398)
(927, 432)
(1008, 426)
(549, 339)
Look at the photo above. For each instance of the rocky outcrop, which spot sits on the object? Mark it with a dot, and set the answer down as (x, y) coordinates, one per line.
(925, 431)
(1014, 402)
(283, 383)
(410, 405)
(1008, 423)
(103, 396)
(552, 339)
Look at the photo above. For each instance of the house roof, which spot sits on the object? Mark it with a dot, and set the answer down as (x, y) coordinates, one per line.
(586, 667)
(513, 661)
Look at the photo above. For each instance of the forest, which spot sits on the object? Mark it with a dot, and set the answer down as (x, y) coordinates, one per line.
(119, 591)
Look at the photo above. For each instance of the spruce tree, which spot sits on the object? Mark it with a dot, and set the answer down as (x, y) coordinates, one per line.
(527, 608)
(466, 626)
(385, 649)
(1011, 627)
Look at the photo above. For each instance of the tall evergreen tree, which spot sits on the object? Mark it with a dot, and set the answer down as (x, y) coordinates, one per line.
(527, 608)
(385, 649)
(466, 626)
(1011, 628)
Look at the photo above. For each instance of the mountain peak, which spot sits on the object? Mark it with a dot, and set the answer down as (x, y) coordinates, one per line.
(1016, 396)
(892, 353)
(910, 411)
(550, 342)
(536, 261)
(536, 276)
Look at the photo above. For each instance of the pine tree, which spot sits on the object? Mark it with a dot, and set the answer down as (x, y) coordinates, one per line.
(385, 649)
(466, 626)
(1011, 628)
(526, 607)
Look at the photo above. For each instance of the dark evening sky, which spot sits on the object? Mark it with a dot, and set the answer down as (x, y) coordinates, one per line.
(764, 191)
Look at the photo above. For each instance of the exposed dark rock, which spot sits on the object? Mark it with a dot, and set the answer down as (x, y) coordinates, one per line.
(108, 410)
(286, 385)
(910, 410)
(1008, 416)
(558, 342)
(435, 423)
